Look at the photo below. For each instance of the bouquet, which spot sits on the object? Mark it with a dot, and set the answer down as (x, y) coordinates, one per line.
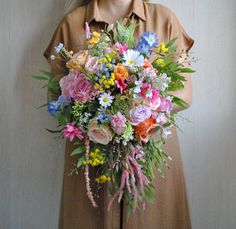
(116, 106)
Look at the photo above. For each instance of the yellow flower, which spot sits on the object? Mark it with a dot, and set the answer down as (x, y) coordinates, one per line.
(160, 62)
(162, 48)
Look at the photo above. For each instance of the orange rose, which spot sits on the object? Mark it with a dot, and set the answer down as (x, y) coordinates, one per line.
(144, 130)
(120, 72)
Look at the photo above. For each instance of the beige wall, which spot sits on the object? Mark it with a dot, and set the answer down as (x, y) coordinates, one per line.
(32, 161)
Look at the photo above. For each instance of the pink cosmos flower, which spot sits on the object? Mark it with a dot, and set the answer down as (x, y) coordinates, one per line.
(92, 65)
(118, 123)
(72, 132)
(151, 94)
(121, 48)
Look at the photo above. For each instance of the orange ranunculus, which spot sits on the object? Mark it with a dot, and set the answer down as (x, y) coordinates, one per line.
(144, 130)
(120, 72)
(147, 64)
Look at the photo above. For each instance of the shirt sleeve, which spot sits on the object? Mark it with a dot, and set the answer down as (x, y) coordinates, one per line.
(184, 42)
(60, 35)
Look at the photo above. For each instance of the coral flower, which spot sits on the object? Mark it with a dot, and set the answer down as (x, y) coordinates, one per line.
(147, 64)
(144, 130)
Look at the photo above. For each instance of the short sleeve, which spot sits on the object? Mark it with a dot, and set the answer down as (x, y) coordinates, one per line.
(184, 42)
(60, 35)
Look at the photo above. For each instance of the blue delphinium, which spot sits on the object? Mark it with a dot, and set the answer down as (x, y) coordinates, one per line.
(102, 119)
(146, 42)
(55, 105)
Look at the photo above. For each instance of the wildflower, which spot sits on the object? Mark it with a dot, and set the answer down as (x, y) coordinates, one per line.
(102, 118)
(52, 57)
(133, 58)
(102, 179)
(162, 82)
(87, 29)
(121, 48)
(59, 47)
(105, 99)
(162, 48)
(146, 42)
(160, 62)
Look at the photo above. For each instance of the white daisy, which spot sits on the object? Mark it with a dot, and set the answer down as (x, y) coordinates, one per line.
(133, 58)
(105, 100)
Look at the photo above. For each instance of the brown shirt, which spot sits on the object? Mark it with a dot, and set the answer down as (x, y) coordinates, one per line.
(150, 16)
(170, 209)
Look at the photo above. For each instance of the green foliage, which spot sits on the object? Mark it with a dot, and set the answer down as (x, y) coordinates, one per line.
(125, 33)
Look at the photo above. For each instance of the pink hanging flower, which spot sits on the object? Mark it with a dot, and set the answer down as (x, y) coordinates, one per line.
(87, 31)
(121, 84)
(121, 48)
(166, 105)
(72, 132)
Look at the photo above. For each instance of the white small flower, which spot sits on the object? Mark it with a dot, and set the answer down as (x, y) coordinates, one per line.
(105, 100)
(138, 86)
(52, 57)
(59, 47)
(163, 81)
(133, 58)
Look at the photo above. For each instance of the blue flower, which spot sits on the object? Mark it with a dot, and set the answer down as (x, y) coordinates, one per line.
(59, 47)
(53, 107)
(146, 42)
(102, 118)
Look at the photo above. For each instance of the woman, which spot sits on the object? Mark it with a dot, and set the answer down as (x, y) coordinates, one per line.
(170, 209)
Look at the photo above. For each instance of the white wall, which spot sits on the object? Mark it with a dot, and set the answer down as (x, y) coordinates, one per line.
(32, 161)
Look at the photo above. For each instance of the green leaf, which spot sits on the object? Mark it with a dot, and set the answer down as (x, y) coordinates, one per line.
(171, 42)
(175, 86)
(179, 101)
(80, 161)
(78, 150)
(53, 131)
(44, 105)
(47, 73)
(39, 77)
(176, 76)
(187, 70)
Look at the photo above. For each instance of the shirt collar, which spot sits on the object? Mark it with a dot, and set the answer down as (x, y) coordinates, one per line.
(92, 11)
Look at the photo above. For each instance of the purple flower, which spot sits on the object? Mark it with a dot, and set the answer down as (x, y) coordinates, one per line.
(139, 114)
(118, 123)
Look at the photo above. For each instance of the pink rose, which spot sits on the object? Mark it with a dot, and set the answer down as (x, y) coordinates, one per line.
(92, 65)
(101, 134)
(66, 83)
(118, 123)
(139, 114)
(81, 89)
